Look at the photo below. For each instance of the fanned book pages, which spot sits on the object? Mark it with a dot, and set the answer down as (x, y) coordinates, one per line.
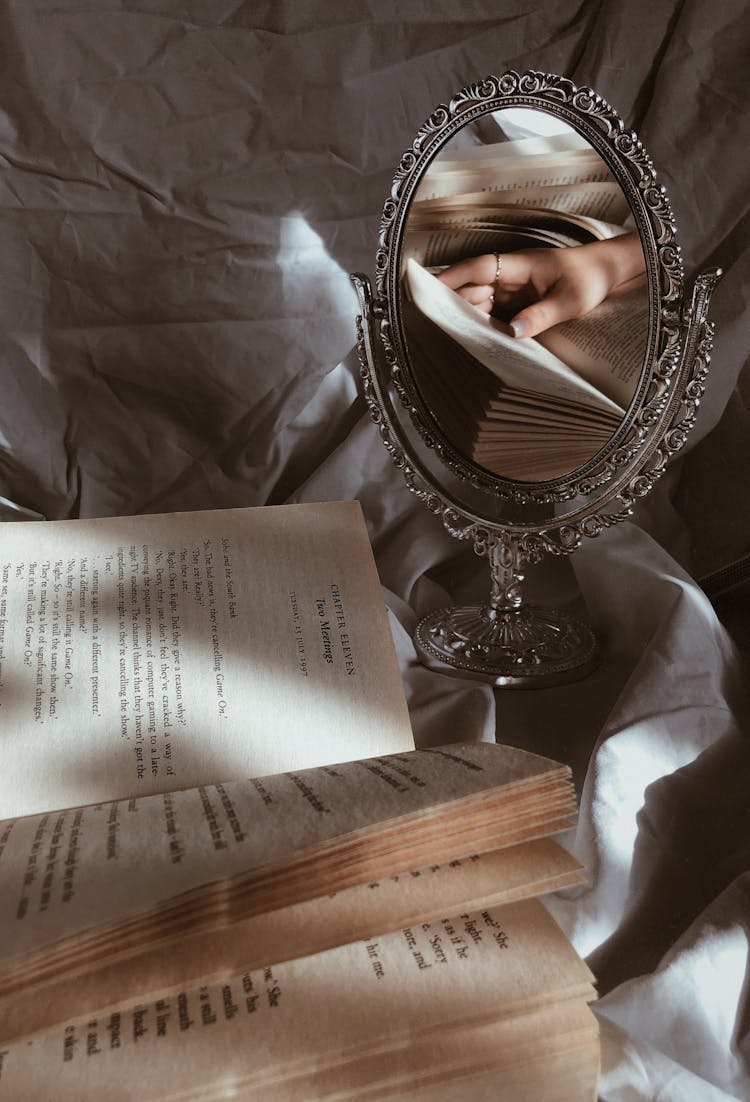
(512, 195)
(495, 996)
(217, 907)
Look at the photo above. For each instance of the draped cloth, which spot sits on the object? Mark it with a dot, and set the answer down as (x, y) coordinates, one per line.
(184, 189)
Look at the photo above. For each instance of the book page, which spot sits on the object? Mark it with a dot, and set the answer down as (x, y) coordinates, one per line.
(453, 234)
(152, 653)
(599, 199)
(453, 241)
(536, 1057)
(296, 1018)
(569, 1075)
(516, 433)
(457, 385)
(547, 170)
(66, 872)
(299, 929)
(518, 363)
(607, 345)
(559, 144)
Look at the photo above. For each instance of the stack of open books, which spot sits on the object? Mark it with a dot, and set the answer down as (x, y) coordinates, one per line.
(359, 930)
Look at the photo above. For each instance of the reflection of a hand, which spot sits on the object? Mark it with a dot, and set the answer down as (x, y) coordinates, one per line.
(539, 288)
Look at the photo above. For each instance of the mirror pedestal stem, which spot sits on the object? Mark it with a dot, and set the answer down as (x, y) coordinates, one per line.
(506, 641)
(505, 571)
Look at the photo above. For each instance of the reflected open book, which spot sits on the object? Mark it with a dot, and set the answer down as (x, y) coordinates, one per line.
(328, 931)
(525, 409)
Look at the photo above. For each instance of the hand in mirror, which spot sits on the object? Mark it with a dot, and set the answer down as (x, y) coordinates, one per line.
(533, 289)
(570, 278)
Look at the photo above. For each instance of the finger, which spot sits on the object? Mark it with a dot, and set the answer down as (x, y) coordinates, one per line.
(477, 269)
(487, 305)
(475, 294)
(558, 306)
(515, 269)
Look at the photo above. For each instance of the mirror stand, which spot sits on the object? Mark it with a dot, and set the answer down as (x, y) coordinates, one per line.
(525, 447)
(506, 641)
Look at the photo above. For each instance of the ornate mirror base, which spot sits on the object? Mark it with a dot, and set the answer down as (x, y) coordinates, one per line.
(525, 647)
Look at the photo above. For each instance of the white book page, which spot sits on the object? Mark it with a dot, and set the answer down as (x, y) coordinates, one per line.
(145, 654)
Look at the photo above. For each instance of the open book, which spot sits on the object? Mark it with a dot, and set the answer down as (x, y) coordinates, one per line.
(513, 195)
(157, 930)
(141, 655)
(285, 936)
(531, 409)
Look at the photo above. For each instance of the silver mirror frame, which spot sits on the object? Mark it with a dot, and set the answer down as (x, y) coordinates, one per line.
(507, 641)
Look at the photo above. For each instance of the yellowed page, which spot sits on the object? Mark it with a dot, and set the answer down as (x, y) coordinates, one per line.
(449, 241)
(515, 403)
(446, 237)
(525, 1050)
(464, 391)
(514, 1049)
(608, 345)
(65, 873)
(298, 930)
(298, 1017)
(153, 653)
(566, 1076)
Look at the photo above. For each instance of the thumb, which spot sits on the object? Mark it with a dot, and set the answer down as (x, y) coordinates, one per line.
(556, 306)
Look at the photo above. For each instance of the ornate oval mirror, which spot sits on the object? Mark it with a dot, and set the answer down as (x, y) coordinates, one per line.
(528, 353)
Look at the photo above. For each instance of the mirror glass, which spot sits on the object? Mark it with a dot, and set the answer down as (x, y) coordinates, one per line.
(523, 296)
